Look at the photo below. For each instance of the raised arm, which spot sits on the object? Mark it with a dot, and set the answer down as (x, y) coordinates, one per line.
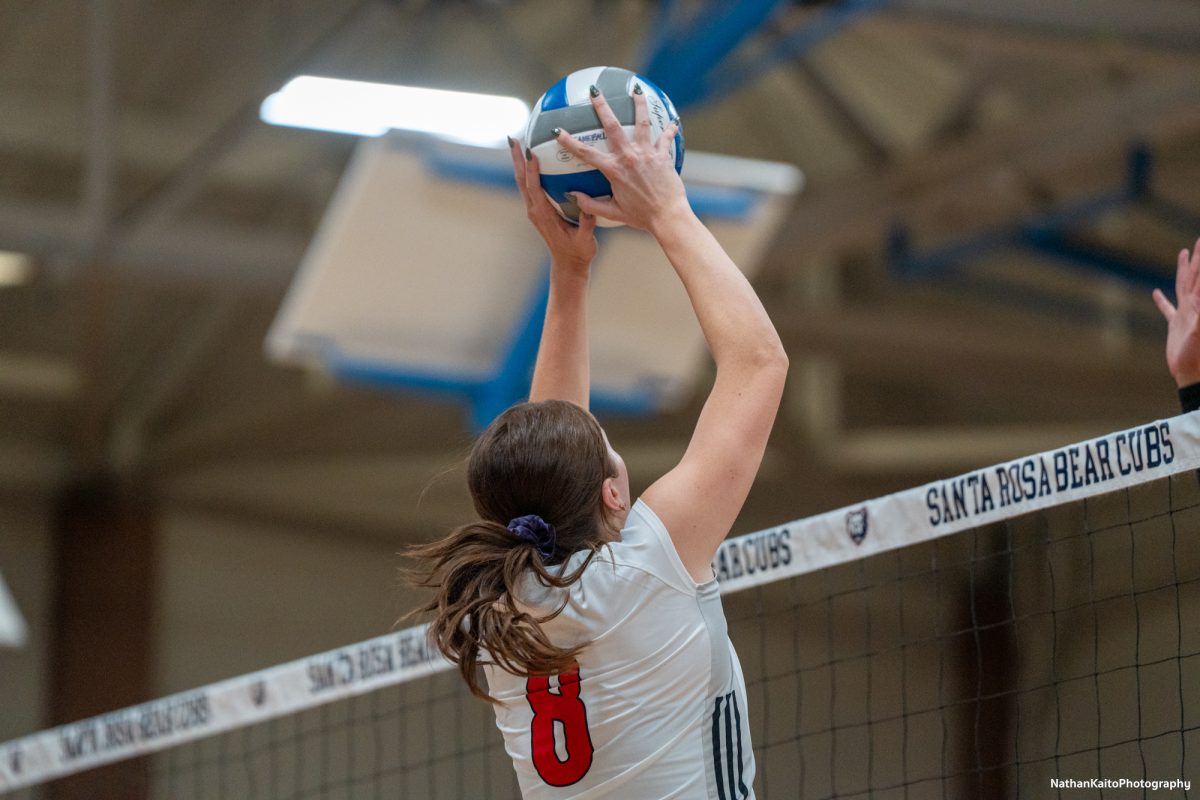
(1183, 327)
(700, 498)
(561, 371)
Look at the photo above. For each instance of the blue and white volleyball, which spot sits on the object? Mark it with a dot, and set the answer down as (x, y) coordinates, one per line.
(568, 105)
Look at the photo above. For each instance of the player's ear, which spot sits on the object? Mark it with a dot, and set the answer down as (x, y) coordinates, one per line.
(610, 496)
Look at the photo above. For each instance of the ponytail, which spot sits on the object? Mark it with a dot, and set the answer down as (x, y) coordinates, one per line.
(476, 572)
(535, 476)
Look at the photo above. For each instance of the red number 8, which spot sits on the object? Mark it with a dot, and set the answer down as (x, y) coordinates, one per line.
(564, 707)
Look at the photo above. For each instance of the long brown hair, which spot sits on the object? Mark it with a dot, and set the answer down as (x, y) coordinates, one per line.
(547, 458)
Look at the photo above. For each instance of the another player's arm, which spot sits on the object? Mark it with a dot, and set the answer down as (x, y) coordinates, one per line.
(561, 371)
(1183, 327)
(699, 499)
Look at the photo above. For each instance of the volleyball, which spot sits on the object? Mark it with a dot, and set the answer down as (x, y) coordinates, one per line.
(567, 105)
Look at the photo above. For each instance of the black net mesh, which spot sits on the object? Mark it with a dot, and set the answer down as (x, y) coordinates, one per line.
(1062, 645)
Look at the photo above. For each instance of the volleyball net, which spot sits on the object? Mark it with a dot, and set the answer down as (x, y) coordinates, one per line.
(1024, 629)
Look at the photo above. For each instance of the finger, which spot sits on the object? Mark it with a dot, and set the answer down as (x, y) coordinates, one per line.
(533, 175)
(613, 131)
(1164, 305)
(663, 145)
(1195, 264)
(1183, 274)
(537, 201)
(519, 167)
(1187, 267)
(587, 222)
(584, 152)
(598, 208)
(641, 117)
(542, 208)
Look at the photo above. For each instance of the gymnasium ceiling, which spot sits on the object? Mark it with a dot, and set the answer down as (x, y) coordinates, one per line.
(165, 221)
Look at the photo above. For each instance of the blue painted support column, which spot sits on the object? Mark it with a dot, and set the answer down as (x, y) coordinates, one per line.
(682, 62)
(1139, 169)
(659, 32)
(510, 382)
(1141, 166)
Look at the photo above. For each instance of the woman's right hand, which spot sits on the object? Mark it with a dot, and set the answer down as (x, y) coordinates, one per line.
(1183, 319)
(646, 190)
(572, 247)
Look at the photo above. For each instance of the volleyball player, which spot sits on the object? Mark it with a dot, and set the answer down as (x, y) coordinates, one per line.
(1183, 328)
(597, 618)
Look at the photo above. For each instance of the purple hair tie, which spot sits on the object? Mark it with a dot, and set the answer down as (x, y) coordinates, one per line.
(536, 531)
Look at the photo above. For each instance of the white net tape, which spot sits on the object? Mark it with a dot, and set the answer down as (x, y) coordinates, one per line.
(1098, 466)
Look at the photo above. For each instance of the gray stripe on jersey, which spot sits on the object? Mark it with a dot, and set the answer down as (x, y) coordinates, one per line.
(720, 658)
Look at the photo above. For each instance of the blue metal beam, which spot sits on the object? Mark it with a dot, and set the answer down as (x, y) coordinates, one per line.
(686, 63)
(660, 30)
(1043, 233)
(1055, 244)
(793, 46)
(683, 60)
(1046, 233)
(1147, 325)
(1175, 215)
(943, 260)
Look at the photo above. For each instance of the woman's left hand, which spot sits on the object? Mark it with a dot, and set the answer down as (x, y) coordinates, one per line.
(571, 246)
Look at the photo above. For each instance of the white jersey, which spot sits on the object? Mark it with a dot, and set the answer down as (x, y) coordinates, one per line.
(657, 707)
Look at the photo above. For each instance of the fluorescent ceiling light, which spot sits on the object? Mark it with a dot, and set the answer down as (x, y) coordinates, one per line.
(372, 109)
(15, 269)
(13, 631)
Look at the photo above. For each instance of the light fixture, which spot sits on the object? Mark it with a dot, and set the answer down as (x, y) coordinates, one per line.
(372, 109)
(15, 269)
(13, 631)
